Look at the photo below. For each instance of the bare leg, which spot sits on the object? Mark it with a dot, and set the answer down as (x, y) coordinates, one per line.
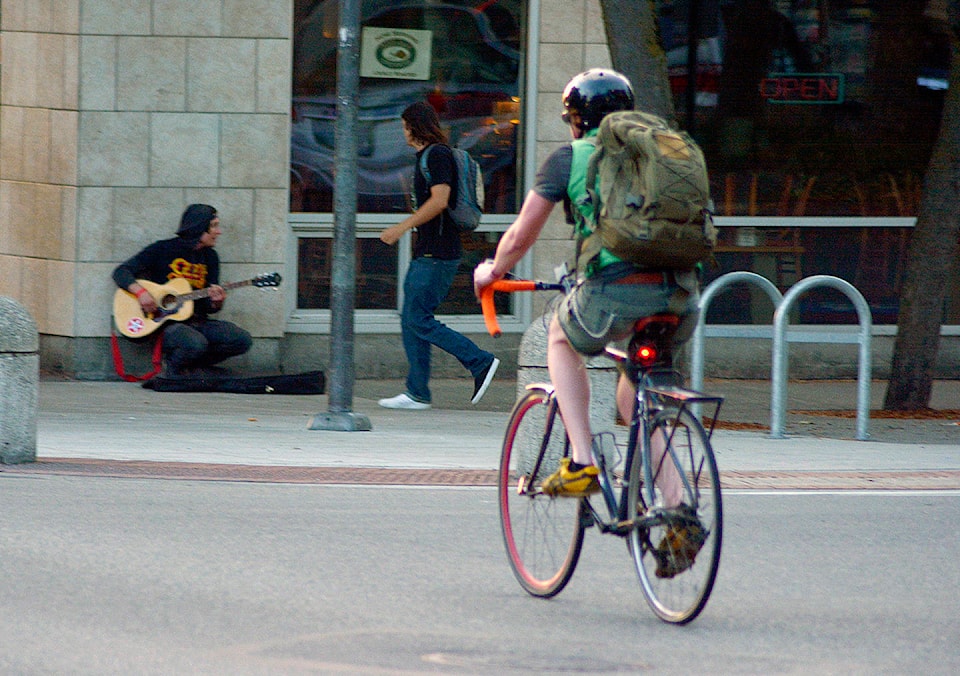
(569, 377)
(665, 473)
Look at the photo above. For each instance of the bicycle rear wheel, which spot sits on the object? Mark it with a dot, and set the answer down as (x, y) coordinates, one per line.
(543, 535)
(676, 545)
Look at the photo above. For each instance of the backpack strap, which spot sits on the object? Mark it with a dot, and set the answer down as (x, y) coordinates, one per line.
(591, 187)
(425, 172)
(583, 196)
(593, 243)
(424, 169)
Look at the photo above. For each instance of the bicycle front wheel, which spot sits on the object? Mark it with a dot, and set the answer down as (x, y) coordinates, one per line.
(676, 544)
(543, 535)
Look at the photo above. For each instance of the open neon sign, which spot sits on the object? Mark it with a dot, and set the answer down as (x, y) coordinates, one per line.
(820, 88)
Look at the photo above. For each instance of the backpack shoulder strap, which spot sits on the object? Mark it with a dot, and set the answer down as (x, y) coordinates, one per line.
(424, 169)
(593, 192)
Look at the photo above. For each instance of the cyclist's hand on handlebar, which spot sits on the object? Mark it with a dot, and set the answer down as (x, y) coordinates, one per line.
(483, 277)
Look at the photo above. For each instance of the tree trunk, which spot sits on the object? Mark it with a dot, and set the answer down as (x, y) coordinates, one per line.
(933, 248)
(636, 50)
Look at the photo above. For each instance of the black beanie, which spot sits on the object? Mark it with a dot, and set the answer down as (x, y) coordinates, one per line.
(195, 221)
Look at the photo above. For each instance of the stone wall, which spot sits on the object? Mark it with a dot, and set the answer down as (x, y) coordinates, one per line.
(114, 115)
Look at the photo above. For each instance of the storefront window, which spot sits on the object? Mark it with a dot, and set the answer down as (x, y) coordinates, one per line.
(812, 108)
(472, 69)
(464, 59)
(377, 271)
(872, 258)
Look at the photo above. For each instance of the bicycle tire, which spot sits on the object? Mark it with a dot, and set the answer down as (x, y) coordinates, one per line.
(543, 536)
(682, 590)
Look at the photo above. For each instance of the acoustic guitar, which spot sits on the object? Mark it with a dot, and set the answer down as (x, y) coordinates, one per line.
(174, 302)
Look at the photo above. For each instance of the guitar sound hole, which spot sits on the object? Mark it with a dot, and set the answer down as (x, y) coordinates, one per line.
(169, 303)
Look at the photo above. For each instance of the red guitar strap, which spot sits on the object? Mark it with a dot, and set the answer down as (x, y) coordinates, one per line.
(118, 358)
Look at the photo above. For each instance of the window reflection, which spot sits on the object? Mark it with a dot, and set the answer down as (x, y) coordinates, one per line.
(872, 259)
(473, 84)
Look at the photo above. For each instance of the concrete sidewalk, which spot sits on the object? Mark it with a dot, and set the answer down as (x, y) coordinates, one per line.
(124, 422)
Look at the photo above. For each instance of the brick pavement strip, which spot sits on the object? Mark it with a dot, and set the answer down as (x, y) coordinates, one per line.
(383, 476)
(843, 480)
(140, 469)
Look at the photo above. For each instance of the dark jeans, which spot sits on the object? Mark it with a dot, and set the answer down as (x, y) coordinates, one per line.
(427, 283)
(202, 342)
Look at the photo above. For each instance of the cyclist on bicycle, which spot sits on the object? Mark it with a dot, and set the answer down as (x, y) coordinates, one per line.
(610, 295)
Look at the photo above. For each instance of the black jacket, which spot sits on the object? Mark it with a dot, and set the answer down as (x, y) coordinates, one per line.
(169, 258)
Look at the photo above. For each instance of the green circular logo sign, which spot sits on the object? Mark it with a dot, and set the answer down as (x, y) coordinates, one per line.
(396, 53)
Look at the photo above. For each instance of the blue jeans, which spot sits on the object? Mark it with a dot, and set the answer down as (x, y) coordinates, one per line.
(427, 283)
(203, 342)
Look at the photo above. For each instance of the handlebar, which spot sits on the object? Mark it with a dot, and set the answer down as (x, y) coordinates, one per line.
(509, 286)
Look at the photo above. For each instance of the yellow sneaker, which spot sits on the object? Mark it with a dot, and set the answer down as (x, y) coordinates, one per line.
(680, 545)
(567, 484)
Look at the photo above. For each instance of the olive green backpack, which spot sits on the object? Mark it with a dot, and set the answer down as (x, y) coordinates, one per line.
(650, 194)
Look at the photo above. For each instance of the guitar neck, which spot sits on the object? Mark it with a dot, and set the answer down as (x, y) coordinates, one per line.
(203, 293)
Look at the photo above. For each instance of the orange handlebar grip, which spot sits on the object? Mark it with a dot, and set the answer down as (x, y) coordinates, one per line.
(490, 311)
(486, 300)
(514, 285)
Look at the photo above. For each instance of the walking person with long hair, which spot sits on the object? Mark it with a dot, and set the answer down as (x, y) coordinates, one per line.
(436, 256)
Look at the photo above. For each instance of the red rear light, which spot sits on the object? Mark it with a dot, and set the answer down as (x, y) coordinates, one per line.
(645, 354)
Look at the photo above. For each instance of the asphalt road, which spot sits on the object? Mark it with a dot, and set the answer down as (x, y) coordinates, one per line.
(119, 576)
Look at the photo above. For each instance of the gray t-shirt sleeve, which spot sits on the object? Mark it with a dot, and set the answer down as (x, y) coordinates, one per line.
(554, 175)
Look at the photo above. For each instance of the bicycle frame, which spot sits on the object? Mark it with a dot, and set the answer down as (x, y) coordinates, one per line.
(638, 440)
(552, 412)
(669, 509)
(639, 446)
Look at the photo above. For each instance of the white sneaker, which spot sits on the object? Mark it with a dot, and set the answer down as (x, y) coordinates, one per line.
(404, 401)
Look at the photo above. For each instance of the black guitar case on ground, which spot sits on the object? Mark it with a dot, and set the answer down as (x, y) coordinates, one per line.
(311, 382)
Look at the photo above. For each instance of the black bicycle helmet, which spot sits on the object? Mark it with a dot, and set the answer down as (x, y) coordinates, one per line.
(594, 93)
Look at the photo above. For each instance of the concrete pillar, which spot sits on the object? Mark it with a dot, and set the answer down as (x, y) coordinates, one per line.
(19, 383)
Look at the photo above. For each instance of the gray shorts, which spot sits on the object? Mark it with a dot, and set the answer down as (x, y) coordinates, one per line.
(599, 310)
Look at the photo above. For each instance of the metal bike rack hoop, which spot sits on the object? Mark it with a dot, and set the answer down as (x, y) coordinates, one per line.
(778, 372)
(714, 288)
